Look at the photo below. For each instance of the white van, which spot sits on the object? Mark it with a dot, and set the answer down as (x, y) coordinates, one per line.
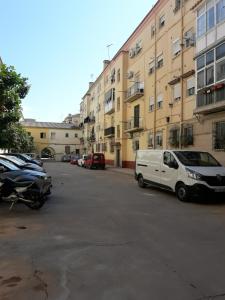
(184, 172)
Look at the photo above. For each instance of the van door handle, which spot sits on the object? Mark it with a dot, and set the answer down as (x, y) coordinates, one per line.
(157, 170)
(163, 171)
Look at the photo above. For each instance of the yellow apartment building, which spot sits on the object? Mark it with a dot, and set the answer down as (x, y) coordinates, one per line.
(57, 139)
(148, 95)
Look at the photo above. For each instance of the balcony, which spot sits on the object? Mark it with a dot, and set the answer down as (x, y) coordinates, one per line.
(210, 100)
(109, 132)
(89, 119)
(109, 107)
(134, 124)
(135, 91)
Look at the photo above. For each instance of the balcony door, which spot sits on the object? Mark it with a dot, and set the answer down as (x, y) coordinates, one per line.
(136, 115)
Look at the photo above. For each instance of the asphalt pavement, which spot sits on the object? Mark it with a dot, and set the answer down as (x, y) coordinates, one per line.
(101, 237)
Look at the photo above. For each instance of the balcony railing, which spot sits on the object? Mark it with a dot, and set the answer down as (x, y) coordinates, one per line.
(135, 91)
(134, 124)
(109, 107)
(109, 132)
(211, 100)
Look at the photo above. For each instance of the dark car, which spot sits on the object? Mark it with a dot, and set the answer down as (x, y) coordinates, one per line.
(95, 160)
(26, 158)
(21, 164)
(11, 171)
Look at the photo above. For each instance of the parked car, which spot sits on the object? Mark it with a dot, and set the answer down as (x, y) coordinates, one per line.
(11, 171)
(80, 161)
(26, 158)
(21, 164)
(74, 160)
(66, 158)
(187, 173)
(95, 160)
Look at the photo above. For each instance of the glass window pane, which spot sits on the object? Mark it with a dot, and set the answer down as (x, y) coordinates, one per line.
(201, 62)
(220, 70)
(210, 18)
(200, 100)
(210, 75)
(201, 25)
(210, 57)
(220, 11)
(201, 79)
(220, 94)
(220, 51)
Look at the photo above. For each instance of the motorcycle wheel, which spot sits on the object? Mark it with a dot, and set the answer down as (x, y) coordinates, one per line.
(38, 201)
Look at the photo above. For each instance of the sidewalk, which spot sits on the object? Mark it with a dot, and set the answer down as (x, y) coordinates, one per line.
(120, 170)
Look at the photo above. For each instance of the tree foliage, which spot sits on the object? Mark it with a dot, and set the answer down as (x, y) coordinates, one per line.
(13, 88)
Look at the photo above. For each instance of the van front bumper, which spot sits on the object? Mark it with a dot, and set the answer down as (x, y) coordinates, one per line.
(201, 189)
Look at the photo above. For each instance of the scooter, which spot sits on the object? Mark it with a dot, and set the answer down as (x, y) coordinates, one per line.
(24, 192)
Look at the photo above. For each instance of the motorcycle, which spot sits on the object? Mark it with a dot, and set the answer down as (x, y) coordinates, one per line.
(26, 192)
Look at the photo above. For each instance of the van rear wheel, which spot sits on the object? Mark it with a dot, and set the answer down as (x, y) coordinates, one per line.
(141, 182)
(182, 192)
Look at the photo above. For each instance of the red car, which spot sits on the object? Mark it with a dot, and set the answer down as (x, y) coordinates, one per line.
(95, 160)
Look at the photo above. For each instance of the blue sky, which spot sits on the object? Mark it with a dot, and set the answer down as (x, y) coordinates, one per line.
(58, 44)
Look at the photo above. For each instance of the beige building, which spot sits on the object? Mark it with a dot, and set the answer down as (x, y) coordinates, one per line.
(55, 139)
(146, 95)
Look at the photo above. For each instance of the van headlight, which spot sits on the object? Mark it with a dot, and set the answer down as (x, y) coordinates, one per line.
(193, 175)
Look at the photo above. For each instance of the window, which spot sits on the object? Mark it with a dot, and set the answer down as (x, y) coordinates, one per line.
(168, 158)
(159, 140)
(118, 131)
(210, 75)
(190, 86)
(159, 61)
(66, 135)
(220, 70)
(176, 47)
(187, 135)
(43, 135)
(67, 149)
(152, 31)
(201, 25)
(200, 62)
(220, 94)
(177, 92)
(151, 104)
(189, 38)
(177, 5)
(161, 21)
(53, 135)
(76, 135)
(118, 104)
(136, 145)
(219, 139)
(159, 101)
(210, 18)
(201, 79)
(151, 67)
(111, 147)
(220, 51)
(220, 11)
(118, 75)
(150, 140)
(174, 137)
(210, 57)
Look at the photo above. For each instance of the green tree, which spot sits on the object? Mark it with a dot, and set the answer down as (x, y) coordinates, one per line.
(13, 88)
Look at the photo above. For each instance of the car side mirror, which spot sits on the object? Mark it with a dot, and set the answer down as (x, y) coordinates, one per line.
(2, 169)
(173, 165)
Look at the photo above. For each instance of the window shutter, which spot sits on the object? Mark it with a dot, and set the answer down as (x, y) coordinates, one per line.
(160, 98)
(177, 91)
(151, 101)
(190, 83)
(176, 47)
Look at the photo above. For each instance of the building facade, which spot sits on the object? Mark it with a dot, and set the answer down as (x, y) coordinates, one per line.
(54, 139)
(148, 95)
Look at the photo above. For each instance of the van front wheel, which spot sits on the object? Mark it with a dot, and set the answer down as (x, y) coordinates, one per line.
(182, 192)
(141, 182)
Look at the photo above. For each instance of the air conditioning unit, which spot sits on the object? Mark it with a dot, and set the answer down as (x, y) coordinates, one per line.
(130, 74)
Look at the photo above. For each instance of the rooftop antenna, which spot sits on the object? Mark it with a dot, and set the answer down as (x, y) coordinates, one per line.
(92, 77)
(108, 46)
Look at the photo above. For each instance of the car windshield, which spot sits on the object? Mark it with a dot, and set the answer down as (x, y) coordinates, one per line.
(196, 159)
(26, 156)
(16, 160)
(8, 165)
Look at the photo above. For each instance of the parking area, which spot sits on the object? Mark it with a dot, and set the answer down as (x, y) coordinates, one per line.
(101, 237)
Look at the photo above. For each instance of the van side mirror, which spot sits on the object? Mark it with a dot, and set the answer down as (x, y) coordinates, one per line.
(173, 165)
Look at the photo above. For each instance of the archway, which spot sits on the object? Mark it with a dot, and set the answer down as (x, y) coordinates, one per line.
(48, 152)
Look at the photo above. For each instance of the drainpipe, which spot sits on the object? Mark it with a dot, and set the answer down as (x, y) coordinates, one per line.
(155, 91)
(182, 72)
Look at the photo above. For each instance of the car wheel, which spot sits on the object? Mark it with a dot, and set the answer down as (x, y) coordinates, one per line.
(182, 192)
(141, 182)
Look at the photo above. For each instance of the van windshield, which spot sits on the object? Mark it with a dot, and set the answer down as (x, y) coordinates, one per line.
(196, 159)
